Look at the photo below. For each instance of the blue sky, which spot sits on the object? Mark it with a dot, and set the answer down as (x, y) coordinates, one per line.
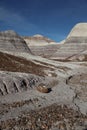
(51, 18)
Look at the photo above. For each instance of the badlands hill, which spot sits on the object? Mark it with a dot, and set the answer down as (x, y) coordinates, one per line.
(38, 40)
(75, 45)
(43, 92)
(41, 46)
(10, 41)
(73, 48)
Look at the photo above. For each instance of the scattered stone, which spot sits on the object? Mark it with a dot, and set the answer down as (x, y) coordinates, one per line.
(43, 88)
(54, 117)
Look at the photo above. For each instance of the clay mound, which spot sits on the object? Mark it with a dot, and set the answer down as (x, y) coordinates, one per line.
(11, 41)
(42, 46)
(79, 30)
(45, 51)
(75, 43)
(38, 40)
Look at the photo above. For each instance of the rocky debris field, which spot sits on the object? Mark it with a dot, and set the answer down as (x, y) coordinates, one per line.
(54, 117)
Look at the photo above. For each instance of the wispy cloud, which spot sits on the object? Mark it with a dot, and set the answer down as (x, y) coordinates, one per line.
(16, 21)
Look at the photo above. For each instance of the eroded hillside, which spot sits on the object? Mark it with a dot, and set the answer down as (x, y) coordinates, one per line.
(25, 78)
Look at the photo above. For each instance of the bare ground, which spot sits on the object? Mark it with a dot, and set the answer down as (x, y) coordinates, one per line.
(48, 118)
(15, 64)
(64, 108)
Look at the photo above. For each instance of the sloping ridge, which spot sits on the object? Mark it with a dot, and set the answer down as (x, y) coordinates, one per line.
(75, 44)
(16, 64)
(38, 40)
(18, 74)
(12, 42)
(41, 46)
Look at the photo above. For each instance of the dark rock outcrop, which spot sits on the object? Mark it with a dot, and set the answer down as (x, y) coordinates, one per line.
(17, 82)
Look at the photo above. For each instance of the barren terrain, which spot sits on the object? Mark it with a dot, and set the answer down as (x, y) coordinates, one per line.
(22, 105)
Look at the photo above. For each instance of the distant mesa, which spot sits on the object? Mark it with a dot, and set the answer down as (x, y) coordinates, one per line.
(73, 48)
(11, 41)
(38, 40)
(41, 46)
(38, 35)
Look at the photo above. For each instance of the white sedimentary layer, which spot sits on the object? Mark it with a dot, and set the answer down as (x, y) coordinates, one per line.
(79, 30)
(11, 41)
(75, 43)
